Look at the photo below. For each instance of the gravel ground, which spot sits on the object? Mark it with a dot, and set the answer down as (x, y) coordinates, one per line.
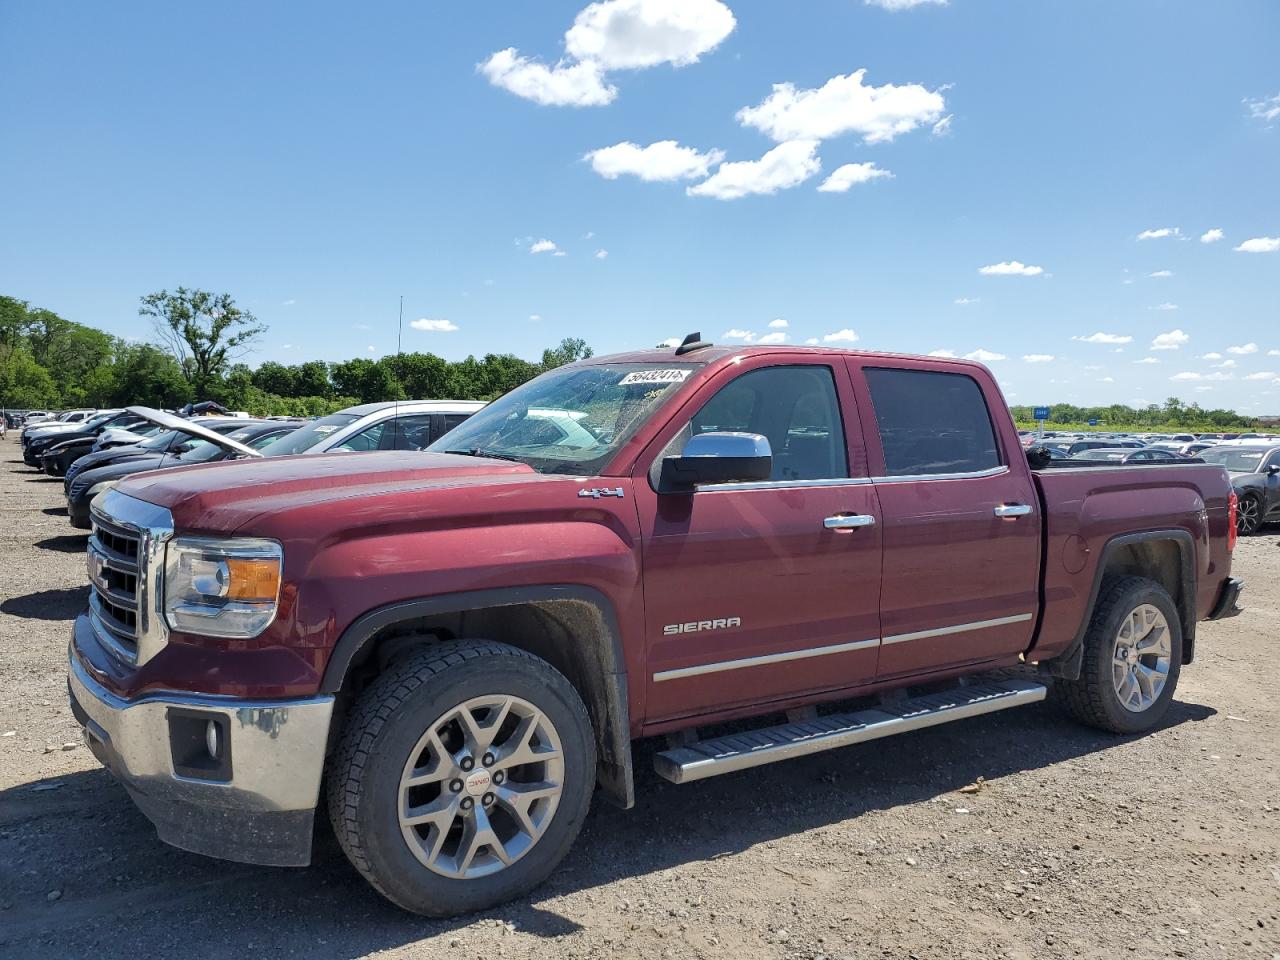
(1077, 844)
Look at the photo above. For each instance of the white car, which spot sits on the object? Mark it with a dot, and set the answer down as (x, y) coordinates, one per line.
(403, 425)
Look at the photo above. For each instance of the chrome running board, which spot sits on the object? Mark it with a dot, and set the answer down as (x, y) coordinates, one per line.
(753, 748)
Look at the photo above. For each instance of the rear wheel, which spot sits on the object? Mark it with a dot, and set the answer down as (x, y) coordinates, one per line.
(1248, 514)
(1132, 658)
(462, 778)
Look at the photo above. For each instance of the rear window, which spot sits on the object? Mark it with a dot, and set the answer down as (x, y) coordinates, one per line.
(1236, 461)
(931, 423)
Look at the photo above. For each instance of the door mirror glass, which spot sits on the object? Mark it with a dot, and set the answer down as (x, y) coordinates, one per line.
(1273, 469)
(717, 458)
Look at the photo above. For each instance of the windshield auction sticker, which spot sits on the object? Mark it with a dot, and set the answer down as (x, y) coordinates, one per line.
(654, 376)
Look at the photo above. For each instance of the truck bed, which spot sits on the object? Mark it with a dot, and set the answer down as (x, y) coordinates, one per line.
(1088, 510)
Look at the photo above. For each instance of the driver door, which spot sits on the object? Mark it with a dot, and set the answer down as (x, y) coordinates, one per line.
(750, 593)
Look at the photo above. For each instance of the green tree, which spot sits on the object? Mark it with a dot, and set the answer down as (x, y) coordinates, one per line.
(312, 379)
(25, 384)
(146, 375)
(566, 351)
(204, 331)
(367, 379)
(272, 377)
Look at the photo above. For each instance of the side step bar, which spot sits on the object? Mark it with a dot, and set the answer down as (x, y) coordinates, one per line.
(753, 748)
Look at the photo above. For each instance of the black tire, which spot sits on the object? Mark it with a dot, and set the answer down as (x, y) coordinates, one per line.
(1249, 515)
(384, 725)
(1092, 698)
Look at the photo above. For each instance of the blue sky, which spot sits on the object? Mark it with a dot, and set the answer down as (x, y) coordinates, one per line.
(319, 165)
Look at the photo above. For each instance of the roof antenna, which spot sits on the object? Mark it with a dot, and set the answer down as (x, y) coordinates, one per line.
(395, 430)
(691, 343)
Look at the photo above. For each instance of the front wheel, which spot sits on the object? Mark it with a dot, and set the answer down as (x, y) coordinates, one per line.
(1132, 658)
(463, 777)
(1248, 514)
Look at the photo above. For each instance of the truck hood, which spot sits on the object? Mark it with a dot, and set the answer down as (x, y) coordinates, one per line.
(221, 497)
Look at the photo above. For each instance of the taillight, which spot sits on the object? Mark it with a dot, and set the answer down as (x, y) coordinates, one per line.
(1233, 507)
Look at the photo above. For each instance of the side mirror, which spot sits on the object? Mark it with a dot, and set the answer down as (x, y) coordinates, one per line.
(1273, 470)
(717, 458)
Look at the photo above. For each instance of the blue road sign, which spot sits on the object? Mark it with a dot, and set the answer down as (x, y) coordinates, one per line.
(1093, 422)
(1042, 413)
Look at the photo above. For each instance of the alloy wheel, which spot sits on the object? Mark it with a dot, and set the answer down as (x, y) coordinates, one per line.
(1140, 660)
(481, 786)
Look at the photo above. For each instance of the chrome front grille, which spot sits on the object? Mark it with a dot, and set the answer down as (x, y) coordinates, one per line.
(125, 560)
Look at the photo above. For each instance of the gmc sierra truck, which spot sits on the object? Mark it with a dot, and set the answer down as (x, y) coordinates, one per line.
(757, 553)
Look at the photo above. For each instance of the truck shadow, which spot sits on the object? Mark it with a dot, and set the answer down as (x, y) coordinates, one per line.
(132, 886)
(63, 604)
(66, 543)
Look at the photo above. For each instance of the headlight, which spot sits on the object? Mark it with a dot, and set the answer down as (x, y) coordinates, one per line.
(98, 488)
(222, 588)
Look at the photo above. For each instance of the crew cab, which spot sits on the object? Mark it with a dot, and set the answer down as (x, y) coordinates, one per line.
(459, 646)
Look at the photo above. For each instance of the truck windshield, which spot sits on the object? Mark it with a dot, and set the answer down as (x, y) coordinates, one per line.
(571, 420)
(304, 438)
(1236, 461)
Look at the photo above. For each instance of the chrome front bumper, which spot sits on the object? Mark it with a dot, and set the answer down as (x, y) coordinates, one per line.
(258, 807)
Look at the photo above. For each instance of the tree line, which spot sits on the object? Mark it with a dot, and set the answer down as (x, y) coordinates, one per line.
(1172, 415)
(47, 361)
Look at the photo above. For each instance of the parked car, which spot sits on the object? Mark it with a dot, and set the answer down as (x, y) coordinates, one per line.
(203, 446)
(33, 429)
(406, 425)
(1127, 455)
(53, 452)
(460, 647)
(166, 441)
(1255, 476)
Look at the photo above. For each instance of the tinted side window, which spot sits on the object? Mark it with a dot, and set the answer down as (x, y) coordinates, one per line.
(411, 432)
(931, 422)
(796, 408)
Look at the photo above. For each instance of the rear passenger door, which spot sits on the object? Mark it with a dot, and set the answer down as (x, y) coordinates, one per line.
(959, 515)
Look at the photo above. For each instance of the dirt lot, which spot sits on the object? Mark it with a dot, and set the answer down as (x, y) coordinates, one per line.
(1078, 845)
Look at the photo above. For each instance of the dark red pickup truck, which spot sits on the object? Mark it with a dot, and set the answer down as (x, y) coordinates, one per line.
(456, 647)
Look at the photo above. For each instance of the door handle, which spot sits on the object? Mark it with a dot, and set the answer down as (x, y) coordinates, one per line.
(848, 521)
(1012, 510)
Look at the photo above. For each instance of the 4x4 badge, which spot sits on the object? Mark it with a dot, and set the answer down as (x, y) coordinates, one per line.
(596, 493)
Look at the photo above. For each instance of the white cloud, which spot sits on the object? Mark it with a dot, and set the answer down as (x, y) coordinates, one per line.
(542, 246)
(776, 337)
(1094, 366)
(786, 165)
(361, 326)
(844, 105)
(1106, 379)
(370, 348)
(613, 35)
(1243, 349)
(1212, 236)
(778, 324)
(943, 127)
(965, 301)
(1104, 338)
(1165, 306)
(812, 342)
(903, 4)
(984, 356)
(662, 161)
(537, 318)
(1227, 364)
(1010, 268)
(288, 303)
(566, 84)
(602, 254)
(1187, 375)
(1148, 360)
(1221, 376)
(1038, 357)
(1203, 389)
(945, 354)
(670, 342)
(1259, 245)
(1273, 353)
(1211, 356)
(1169, 341)
(1160, 234)
(1262, 375)
(286, 346)
(1266, 109)
(747, 336)
(842, 178)
(841, 336)
(434, 326)
(1161, 273)
(559, 253)
(634, 34)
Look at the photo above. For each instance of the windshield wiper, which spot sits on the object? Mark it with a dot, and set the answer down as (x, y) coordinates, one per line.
(477, 452)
